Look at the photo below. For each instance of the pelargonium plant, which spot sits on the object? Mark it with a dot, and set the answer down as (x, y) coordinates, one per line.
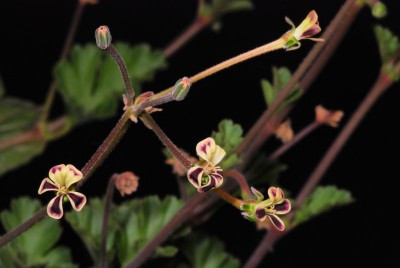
(167, 208)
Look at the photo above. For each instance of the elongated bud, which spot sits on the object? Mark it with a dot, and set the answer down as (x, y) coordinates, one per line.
(103, 37)
(181, 89)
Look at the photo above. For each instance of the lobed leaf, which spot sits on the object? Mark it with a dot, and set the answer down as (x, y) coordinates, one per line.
(35, 247)
(228, 136)
(16, 117)
(91, 83)
(322, 199)
(205, 251)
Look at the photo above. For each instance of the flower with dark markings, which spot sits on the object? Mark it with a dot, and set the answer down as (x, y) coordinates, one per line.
(260, 209)
(62, 179)
(206, 175)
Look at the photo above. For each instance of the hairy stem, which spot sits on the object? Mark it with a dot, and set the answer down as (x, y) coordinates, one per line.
(383, 82)
(124, 72)
(104, 227)
(172, 148)
(179, 218)
(380, 86)
(98, 157)
(319, 55)
(275, 45)
(107, 146)
(228, 198)
(14, 233)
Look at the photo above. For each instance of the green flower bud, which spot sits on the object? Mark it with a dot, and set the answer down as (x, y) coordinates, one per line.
(103, 37)
(379, 10)
(181, 89)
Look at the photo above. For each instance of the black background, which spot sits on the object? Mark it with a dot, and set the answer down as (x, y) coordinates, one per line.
(32, 34)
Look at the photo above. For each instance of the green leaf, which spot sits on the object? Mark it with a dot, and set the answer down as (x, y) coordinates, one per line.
(280, 77)
(91, 83)
(228, 136)
(388, 43)
(141, 220)
(87, 224)
(166, 251)
(17, 117)
(204, 251)
(131, 225)
(35, 247)
(322, 199)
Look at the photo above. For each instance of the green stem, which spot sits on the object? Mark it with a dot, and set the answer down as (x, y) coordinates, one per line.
(104, 227)
(274, 45)
(305, 74)
(124, 72)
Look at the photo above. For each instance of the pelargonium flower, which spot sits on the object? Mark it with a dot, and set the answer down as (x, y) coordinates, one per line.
(285, 132)
(62, 179)
(206, 175)
(308, 28)
(260, 209)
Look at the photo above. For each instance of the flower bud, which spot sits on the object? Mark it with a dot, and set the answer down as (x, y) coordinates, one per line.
(103, 37)
(181, 89)
(379, 10)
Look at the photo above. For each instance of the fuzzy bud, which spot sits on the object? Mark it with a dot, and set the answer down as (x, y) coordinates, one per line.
(181, 89)
(103, 37)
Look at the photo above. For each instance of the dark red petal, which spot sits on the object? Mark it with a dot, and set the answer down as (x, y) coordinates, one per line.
(277, 222)
(54, 208)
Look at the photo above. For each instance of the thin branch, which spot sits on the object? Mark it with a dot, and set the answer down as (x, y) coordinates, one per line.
(172, 148)
(104, 227)
(179, 218)
(195, 27)
(66, 48)
(333, 35)
(380, 86)
(298, 137)
(14, 233)
(98, 157)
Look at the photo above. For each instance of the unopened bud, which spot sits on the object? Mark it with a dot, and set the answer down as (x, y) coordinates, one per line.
(103, 37)
(379, 10)
(181, 89)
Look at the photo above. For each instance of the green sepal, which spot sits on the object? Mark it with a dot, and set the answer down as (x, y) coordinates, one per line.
(35, 247)
(322, 199)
